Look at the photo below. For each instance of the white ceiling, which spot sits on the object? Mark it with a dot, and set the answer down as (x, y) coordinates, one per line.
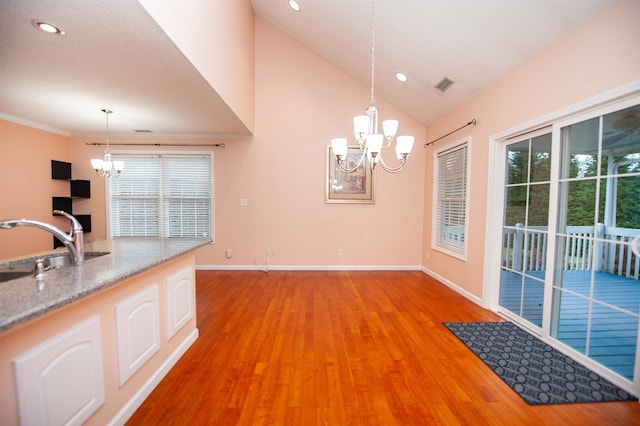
(114, 55)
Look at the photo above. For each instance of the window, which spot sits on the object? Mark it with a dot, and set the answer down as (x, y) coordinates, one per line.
(162, 195)
(451, 177)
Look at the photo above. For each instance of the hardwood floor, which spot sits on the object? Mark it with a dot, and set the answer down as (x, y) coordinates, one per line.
(342, 348)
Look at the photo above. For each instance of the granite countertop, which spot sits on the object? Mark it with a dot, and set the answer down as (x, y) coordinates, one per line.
(22, 300)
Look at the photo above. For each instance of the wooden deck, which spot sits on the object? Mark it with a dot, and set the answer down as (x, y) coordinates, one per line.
(609, 338)
(343, 348)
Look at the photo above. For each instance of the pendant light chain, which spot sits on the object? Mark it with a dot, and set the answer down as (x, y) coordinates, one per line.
(373, 50)
(107, 112)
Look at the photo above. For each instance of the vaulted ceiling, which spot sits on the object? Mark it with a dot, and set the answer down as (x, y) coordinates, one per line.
(114, 53)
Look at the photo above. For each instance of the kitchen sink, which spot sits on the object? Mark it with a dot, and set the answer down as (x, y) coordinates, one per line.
(61, 260)
(28, 267)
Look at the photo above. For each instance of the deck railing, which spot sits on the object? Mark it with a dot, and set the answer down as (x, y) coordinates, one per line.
(605, 249)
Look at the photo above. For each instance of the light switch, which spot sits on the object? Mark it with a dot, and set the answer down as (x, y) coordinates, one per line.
(243, 202)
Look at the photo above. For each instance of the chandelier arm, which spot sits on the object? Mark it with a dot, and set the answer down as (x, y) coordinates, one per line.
(356, 167)
(390, 169)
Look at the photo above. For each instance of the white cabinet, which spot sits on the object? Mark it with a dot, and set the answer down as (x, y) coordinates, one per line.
(180, 300)
(61, 381)
(137, 331)
(95, 361)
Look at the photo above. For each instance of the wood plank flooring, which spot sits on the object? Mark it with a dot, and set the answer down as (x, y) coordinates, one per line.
(342, 348)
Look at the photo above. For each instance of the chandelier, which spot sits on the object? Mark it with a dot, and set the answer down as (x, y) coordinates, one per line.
(365, 128)
(105, 167)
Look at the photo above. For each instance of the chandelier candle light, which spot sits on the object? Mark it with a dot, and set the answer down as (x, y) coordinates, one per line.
(366, 130)
(105, 167)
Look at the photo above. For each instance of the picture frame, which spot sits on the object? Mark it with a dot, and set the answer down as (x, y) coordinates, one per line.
(357, 187)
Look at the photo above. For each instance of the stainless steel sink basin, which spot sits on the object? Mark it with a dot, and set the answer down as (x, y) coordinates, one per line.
(28, 267)
(65, 259)
(12, 274)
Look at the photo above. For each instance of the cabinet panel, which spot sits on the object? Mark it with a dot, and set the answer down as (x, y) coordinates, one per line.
(180, 300)
(61, 381)
(137, 331)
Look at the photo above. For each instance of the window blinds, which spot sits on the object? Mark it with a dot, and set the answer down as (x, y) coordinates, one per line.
(168, 195)
(451, 200)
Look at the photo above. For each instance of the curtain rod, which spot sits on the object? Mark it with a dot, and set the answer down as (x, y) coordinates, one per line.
(472, 122)
(220, 145)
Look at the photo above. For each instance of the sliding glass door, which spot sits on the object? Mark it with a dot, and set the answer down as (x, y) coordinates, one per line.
(571, 208)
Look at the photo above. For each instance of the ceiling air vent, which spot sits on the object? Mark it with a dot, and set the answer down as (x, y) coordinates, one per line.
(444, 84)
(142, 131)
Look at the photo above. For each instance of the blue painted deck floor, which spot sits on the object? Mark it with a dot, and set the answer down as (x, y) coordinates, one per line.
(599, 312)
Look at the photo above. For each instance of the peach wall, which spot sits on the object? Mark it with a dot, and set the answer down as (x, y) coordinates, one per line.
(217, 36)
(26, 186)
(596, 57)
(301, 103)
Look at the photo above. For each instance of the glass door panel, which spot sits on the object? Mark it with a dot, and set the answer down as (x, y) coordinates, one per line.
(571, 321)
(525, 230)
(596, 291)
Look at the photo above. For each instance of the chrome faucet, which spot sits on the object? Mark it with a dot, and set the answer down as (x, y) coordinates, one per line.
(74, 241)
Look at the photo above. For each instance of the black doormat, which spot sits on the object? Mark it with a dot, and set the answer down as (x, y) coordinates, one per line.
(539, 373)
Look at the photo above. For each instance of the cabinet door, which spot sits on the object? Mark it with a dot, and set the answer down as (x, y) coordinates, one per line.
(61, 381)
(138, 331)
(180, 300)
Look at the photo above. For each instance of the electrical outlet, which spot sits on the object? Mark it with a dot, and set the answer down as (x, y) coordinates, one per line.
(268, 252)
(273, 252)
(339, 252)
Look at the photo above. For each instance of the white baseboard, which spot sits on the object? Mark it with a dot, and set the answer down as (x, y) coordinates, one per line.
(138, 398)
(475, 299)
(265, 268)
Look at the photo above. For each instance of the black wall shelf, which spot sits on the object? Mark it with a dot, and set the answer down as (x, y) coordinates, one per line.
(81, 188)
(61, 170)
(62, 203)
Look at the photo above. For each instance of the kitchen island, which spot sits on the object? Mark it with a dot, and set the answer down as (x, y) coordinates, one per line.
(88, 343)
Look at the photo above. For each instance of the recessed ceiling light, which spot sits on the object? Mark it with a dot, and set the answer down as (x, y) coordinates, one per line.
(294, 5)
(401, 76)
(47, 27)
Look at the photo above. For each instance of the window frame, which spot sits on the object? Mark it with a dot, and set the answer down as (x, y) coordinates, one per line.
(439, 154)
(137, 153)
